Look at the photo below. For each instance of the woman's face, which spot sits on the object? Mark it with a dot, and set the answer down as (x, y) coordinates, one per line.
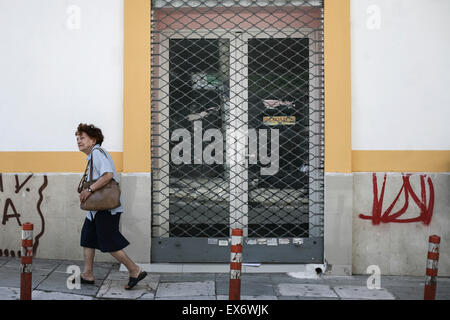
(85, 143)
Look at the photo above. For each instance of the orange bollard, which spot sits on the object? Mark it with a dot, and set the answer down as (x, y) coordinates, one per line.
(27, 261)
(236, 264)
(432, 269)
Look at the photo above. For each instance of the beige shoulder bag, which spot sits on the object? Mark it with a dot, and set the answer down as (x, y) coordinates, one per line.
(105, 198)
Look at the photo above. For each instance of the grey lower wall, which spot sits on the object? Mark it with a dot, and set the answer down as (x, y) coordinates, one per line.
(363, 229)
(136, 222)
(351, 243)
(338, 223)
(400, 248)
(51, 203)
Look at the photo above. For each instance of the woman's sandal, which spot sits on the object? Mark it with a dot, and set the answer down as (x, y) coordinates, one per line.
(132, 282)
(84, 281)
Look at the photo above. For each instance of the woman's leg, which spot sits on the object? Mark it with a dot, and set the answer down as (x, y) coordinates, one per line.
(88, 272)
(132, 267)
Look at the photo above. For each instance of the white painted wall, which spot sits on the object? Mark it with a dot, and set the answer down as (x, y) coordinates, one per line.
(61, 64)
(53, 76)
(400, 74)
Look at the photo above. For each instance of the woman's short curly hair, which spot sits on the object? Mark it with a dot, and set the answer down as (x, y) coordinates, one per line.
(92, 131)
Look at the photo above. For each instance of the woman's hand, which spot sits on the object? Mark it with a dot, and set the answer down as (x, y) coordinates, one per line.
(84, 195)
(103, 181)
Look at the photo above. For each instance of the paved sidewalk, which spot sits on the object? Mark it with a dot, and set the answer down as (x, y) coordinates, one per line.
(50, 278)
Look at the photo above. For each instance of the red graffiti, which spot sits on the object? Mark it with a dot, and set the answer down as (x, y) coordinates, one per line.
(426, 210)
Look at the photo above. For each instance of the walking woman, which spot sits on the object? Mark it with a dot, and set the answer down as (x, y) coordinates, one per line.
(101, 228)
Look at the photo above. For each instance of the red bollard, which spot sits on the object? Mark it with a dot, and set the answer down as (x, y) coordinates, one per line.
(432, 269)
(27, 261)
(236, 264)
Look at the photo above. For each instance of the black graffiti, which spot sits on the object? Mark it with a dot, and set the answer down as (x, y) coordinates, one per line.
(6, 216)
(41, 198)
(10, 212)
(12, 253)
(18, 185)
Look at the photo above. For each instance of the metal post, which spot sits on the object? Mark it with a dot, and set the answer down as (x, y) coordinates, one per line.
(27, 261)
(236, 264)
(432, 268)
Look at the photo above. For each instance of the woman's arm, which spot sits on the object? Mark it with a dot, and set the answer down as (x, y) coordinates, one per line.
(102, 181)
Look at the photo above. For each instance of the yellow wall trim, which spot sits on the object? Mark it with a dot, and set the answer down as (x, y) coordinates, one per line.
(136, 92)
(337, 81)
(49, 161)
(401, 161)
(362, 161)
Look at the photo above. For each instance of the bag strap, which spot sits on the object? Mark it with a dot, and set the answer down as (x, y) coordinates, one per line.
(80, 185)
(92, 164)
(92, 161)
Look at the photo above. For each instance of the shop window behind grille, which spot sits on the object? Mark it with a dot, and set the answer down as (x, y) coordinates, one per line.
(237, 119)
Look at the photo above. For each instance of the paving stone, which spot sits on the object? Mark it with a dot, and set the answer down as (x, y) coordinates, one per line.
(57, 282)
(442, 296)
(364, 293)
(10, 277)
(261, 278)
(406, 292)
(14, 294)
(442, 279)
(118, 275)
(304, 298)
(442, 288)
(204, 268)
(286, 278)
(44, 264)
(3, 261)
(403, 279)
(256, 289)
(187, 298)
(223, 286)
(147, 296)
(245, 297)
(114, 287)
(7, 293)
(79, 263)
(42, 295)
(259, 298)
(38, 264)
(345, 280)
(186, 289)
(100, 272)
(151, 280)
(413, 283)
(248, 287)
(306, 290)
(12, 263)
(186, 277)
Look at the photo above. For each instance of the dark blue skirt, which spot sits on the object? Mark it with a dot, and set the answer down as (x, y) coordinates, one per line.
(103, 233)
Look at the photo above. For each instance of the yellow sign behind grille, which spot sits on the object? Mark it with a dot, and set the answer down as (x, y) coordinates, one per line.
(279, 120)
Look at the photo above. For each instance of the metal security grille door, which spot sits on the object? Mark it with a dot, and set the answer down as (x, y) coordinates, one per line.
(237, 130)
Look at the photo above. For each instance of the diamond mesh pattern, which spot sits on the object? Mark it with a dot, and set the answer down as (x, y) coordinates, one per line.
(237, 118)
